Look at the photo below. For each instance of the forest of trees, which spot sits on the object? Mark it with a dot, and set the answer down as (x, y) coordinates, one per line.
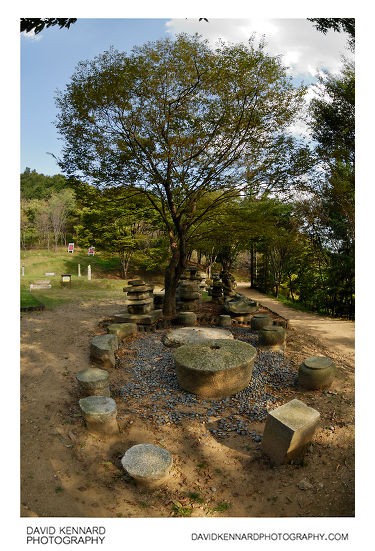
(229, 182)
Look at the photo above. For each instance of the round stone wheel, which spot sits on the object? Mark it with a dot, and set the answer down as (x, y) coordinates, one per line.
(195, 335)
(258, 321)
(225, 321)
(316, 373)
(93, 382)
(272, 337)
(215, 369)
(147, 463)
(187, 318)
(100, 414)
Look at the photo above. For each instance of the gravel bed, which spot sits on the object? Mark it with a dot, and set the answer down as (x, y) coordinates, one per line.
(152, 392)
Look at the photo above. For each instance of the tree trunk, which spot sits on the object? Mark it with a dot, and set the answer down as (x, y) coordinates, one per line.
(252, 267)
(173, 272)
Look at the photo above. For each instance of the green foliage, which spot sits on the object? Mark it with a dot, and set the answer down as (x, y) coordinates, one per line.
(121, 222)
(179, 121)
(37, 25)
(39, 186)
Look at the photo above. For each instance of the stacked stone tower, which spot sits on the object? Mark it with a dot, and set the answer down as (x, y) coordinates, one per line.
(140, 303)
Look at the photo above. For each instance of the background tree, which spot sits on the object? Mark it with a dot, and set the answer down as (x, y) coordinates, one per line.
(61, 205)
(119, 221)
(176, 119)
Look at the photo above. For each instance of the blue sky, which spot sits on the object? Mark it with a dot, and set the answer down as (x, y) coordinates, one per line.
(49, 58)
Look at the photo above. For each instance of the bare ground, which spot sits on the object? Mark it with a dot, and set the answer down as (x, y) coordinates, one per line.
(67, 473)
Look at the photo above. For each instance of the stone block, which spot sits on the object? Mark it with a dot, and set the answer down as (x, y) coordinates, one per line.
(122, 330)
(288, 431)
(316, 373)
(134, 298)
(140, 289)
(93, 382)
(141, 307)
(143, 319)
(102, 350)
(147, 464)
(99, 413)
(136, 282)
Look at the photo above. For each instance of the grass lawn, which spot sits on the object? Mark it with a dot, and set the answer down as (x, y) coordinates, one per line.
(105, 282)
(28, 300)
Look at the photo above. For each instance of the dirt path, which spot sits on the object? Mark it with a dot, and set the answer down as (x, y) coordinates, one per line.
(66, 472)
(335, 334)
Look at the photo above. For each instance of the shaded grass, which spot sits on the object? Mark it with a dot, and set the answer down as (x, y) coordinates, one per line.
(28, 300)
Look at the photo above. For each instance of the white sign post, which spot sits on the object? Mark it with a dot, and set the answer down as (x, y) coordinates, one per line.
(79, 270)
(89, 272)
(23, 269)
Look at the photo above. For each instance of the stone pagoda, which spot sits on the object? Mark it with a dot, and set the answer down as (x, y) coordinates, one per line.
(140, 303)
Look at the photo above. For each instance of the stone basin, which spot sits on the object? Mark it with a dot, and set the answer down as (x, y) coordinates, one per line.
(215, 369)
(195, 335)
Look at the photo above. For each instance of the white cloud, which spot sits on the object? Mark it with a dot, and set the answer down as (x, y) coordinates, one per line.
(32, 36)
(305, 50)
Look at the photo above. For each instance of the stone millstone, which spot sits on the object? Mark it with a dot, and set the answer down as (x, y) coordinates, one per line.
(289, 428)
(93, 382)
(215, 369)
(195, 335)
(102, 350)
(122, 330)
(100, 414)
(316, 372)
(147, 463)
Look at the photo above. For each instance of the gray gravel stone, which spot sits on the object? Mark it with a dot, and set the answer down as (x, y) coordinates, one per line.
(151, 390)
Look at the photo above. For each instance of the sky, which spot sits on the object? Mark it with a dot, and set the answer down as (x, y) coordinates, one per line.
(49, 58)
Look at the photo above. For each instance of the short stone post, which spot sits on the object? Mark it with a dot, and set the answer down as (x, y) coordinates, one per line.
(225, 321)
(93, 382)
(23, 269)
(102, 350)
(89, 272)
(147, 463)
(316, 373)
(259, 321)
(289, 429)
(99, 413)
(79, 270)
(187, 318)
(272, 337)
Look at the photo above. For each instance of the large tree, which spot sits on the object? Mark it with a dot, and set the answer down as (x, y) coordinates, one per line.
(177, 120)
